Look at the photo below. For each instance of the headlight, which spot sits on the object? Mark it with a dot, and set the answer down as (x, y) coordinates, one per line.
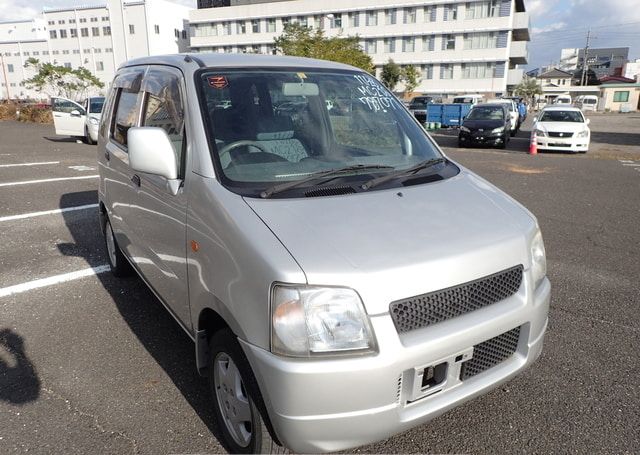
(93, 120)
(465, 129)
(584, 133)
(540, 133)
(308, 321)
(497, 130)
(538, 260)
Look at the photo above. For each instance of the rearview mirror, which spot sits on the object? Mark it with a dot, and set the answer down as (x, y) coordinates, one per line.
(151, 152)
(300, 89)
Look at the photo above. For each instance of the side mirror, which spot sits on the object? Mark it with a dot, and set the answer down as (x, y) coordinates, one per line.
(588, 121)
(151, 152)
(75, 113)
(535, 119)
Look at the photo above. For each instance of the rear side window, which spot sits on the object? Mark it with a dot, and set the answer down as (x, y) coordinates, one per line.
(127, 85)
(163, 106)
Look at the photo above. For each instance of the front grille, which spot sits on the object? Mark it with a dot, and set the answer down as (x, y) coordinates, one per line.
(554, 134)
(427, 309)
(490, 353)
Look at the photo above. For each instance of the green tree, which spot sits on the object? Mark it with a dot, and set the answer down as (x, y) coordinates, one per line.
(529, 88)
(411, 78)
(55, 80)
(391, 74)
(304, 42)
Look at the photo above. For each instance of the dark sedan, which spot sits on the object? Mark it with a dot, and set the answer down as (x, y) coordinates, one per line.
(486, 124)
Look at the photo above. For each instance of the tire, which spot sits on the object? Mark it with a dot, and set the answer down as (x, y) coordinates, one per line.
(513, 132)
(235, 393)
(87, 137)
(120, 267)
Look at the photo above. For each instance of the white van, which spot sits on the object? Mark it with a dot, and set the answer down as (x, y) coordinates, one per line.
(563, 99)
(469, 99)
(587, 103)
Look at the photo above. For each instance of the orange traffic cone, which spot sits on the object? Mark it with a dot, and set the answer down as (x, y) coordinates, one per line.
(533, 146)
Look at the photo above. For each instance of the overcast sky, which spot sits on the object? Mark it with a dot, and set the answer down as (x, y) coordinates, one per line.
(555, 24)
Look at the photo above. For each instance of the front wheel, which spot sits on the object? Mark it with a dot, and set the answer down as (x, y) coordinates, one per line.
(87, 137)
(236, 398)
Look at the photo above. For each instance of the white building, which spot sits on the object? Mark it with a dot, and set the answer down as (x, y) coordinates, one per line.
(632, 69)
(98, 38)
(472, 46)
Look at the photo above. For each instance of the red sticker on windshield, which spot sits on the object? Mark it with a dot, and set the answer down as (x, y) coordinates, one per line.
(218, 82)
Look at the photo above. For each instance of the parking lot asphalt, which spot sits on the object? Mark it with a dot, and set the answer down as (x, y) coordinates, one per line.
(94, 364)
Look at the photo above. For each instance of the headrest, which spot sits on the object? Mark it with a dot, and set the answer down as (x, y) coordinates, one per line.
(275, 128)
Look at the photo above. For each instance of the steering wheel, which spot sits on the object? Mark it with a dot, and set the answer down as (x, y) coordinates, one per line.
(227, 148)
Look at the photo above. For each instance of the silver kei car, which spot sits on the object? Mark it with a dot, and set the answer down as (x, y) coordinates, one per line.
(342, 279)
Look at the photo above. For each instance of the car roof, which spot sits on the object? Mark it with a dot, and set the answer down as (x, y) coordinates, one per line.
(504, 105)
(567, 107)
(499, 101)
(194, 61)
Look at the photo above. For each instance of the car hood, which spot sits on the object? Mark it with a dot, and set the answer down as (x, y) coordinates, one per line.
(561, 126)
(484, 124)
(392, 244)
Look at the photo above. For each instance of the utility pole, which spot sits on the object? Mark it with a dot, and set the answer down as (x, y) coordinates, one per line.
(585, 66)
(6, 81)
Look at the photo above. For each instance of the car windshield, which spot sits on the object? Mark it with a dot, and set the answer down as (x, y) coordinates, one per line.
(272, 127)
(561, 116)
(486, 113)
(419, 102)
(589, 101)
(95, 105)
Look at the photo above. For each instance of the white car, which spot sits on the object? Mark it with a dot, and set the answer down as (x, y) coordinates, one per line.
(513, 113)
(561, 128)
(78, 120)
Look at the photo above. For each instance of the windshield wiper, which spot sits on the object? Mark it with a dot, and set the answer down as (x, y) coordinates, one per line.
(402, 173)
(319, 174)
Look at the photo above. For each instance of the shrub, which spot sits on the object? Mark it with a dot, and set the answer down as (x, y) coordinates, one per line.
(37, 114)
(7, 111)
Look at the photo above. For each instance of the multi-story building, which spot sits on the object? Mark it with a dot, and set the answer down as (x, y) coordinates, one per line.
(607, 61)
(98, 38)
(459, 46)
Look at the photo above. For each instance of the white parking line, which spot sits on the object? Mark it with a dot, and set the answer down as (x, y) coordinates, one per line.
(631, 164)
(47, 212)
(50, 281)
(59, 179)
(30, 164)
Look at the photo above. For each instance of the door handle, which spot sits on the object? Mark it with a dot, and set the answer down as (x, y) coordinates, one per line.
(136, 179)
(107, 156)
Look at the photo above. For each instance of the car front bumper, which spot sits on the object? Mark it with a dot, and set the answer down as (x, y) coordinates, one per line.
(570, 144)
(322, 405)
(477, 138)
(93, 131)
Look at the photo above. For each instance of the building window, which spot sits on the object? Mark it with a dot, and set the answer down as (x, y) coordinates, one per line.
(226, 28)
(430, 13)
(36, 53)
(52, 22)
(303, 21)
(55, 52)
(409, 15)
(255, 26)
(389, 45)
(105, 18)
(63, 33)
(67, 65)
(354, 20)
(408, 44)
(108, 50)
(99, 66)
(65, 52)
(241, 27)
(479, 10)
(53, 34)
(72, 21)
(448, 42)
(61, 22)
(184, 34)
(488, 40)
(478, 70)
(10, 67)
(429, 43)
(317, 22)
(271, 25)
(450, 12)
(446, 71)
(621, 97)
(336, 22)
(132, 29)
(390, 16)
(106, 31)
(83, 20)
(371, 46)
(427, 72)
(84, 32)
(372, 18)
(95, 31)
(94, 19)
(285, 21)
(45, 52)
(156, 28)
(73, 32)
(97, 50)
